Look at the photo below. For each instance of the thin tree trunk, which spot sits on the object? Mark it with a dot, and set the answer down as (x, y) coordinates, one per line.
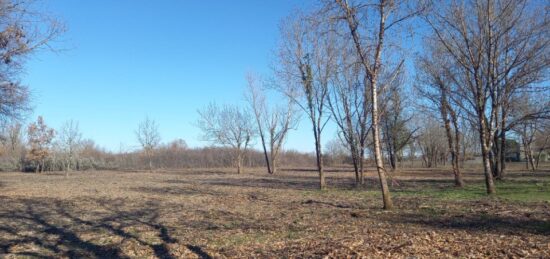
(502, 168)
(355, 160)
(319, 158)
(454, 156)
(497, 155)
(456, 162)
(388, 204)
(531, 158)
(361, 165)
(526, 153)
(262, 138)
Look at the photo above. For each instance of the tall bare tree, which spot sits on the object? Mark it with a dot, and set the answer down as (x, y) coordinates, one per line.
(350, 108)
(368, 23)
(230, 126)
(500, 48)
(437, 88)
(273, 123)
(70, 140)
(307, 58)
(149, 138)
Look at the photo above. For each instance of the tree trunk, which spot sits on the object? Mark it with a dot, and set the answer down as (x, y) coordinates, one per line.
(355, 161)
(502, 168)
(239, 163)
(454, 156)
(388, 204)
(262, 138)
(456, 161)
(497, 155)
(319, 158)
(531, 158)
(526, 153)
(274, 156)
(485, 152)
(68, 167)
(362, 166)
(492, 158)
(273, 164)
(393, 160)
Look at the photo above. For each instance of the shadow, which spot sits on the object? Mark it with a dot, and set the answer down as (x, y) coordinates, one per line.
(287, 183)
(335, 205)
(188, 191)
(342, 169)
(200, 172)
(282, 182)
(477, 222)
(199, 252)
(57, 229)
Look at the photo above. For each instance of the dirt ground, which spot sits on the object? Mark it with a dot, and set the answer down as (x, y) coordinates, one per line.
(206, 213)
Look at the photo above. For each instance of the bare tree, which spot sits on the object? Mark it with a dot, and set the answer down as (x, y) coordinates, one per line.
(368, 23)
(273, 123)
(229, 126)
(529, 129)
(24, 30)
(11, 136)
(336, 152)
(307, 58)
(149, 138)
(395, 121)
(12, 148)
(40, 140)
(432, 143)
(70, 140)
(499, 48)
(542, 142)
(435, 85)
(350, 109)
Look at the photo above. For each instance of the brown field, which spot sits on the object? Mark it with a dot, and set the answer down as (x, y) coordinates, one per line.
(217, 214)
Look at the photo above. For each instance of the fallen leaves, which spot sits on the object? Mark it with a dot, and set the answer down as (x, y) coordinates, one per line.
(201, 215)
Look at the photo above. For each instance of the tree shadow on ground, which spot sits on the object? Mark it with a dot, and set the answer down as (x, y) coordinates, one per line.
(179, 190)
(477, 222)
(199, 172)
(54, 228)
(341, 169)
(281, 183)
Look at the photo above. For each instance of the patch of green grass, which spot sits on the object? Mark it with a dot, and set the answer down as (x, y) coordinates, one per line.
(524, 192)
(509, 190)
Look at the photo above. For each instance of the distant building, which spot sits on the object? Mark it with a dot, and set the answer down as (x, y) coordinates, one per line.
(513, 151)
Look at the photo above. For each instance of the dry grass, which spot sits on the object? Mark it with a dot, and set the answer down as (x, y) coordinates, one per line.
(215, 213)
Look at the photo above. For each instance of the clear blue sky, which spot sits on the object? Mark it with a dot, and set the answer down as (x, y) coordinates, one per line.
(126, 59)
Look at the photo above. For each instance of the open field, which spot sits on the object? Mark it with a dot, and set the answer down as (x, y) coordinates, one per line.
(214, 213)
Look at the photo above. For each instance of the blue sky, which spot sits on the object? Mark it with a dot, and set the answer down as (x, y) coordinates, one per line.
(127, 59)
